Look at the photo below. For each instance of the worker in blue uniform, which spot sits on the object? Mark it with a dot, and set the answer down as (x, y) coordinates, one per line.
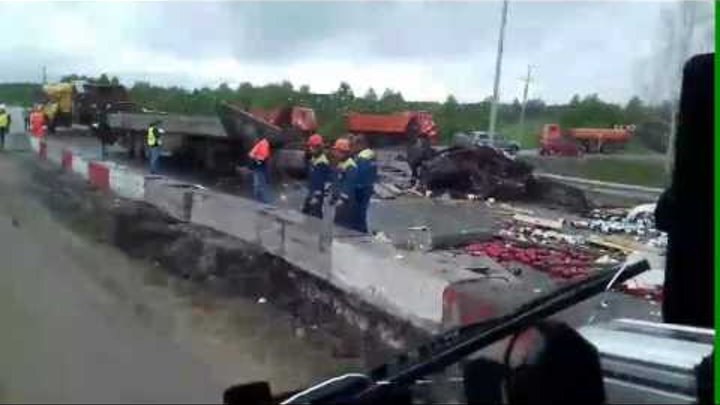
(343, 196)
(366, 176)
(319, 174)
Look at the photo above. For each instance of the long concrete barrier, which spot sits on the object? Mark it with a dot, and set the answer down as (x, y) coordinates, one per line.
(421, 288)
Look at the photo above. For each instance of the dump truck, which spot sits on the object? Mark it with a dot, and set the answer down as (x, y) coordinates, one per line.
(392, 129)
(220, 143)
(558, 141)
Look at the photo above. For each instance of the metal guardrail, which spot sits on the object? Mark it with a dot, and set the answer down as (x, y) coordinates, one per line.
(602, 184)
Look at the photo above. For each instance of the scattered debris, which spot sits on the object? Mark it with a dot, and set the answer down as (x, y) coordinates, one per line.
(598, 241)
(382, 191)
(537, 221)
(540, 236)
(381, 237)
(606, 259)
(558, 263)
(641, 211)
(659, 242)
(517, 210)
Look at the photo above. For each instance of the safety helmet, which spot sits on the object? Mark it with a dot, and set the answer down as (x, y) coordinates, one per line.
(315, 140)
(2, 106)
(342, 144)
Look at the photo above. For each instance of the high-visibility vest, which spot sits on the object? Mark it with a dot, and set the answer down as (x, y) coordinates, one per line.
(153, 138)
(37, 123)
(4, 120)
(261, 151)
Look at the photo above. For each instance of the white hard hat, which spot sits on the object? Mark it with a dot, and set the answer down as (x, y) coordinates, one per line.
(2, 106)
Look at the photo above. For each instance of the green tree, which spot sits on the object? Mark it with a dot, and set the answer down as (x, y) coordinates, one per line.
(391, 101)
(370, 96)
(103, 79)
(635, 111)
(344, 96)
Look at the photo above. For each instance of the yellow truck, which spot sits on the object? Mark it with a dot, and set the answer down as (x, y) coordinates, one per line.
(78, 102)
(58, 106)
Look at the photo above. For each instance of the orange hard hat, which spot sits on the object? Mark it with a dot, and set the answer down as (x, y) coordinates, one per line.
(342, 144)
(315, 140)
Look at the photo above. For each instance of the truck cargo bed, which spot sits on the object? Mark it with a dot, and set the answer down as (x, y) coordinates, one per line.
(203, 126)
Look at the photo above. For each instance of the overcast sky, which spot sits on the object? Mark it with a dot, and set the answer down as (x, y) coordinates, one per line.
(427, 50)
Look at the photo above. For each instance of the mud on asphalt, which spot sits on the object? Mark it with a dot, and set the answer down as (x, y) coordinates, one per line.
(213, 266)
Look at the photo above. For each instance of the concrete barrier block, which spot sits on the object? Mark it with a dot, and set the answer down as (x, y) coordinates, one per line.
(35, 144)
(234, 216)
(54, 154)
(42, 151)
(80, 166)
(296, 238)
(127, 183)
(408, 285)
(303, 248)
(172, 197)
(287, 234)
(67, 159)
(99, 175)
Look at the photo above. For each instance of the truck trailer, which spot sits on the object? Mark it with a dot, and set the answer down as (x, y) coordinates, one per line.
(555, 140)
(220, 143)
(393, 129)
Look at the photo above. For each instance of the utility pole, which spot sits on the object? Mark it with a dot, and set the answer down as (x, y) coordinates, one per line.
(498, 68)
(44, 74)
(524, 101)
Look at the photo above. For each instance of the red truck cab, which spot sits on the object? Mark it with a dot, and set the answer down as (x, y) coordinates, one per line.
(554, 143)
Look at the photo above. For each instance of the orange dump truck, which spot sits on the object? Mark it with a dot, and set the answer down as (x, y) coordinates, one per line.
(389, 129)
(555, 140)
(300, 118)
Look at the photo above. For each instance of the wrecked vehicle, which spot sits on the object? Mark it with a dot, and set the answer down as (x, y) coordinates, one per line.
(485, 172)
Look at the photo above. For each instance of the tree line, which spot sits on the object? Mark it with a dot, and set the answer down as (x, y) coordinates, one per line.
(652, 121)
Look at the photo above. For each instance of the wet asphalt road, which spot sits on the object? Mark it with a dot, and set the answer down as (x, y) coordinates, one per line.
(82, 323)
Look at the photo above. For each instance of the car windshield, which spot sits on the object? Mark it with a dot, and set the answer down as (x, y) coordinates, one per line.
(197, 194)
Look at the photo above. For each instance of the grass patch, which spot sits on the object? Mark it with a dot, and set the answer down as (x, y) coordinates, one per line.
(642, 172)
(529, 136)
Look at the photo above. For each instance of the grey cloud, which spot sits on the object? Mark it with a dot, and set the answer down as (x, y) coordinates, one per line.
(579, 47)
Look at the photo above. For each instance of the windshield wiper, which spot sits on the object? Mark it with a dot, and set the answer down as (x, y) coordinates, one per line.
(455, 345)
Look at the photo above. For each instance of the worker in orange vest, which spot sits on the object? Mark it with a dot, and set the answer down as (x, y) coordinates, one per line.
(259, 160)
(37, 122)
